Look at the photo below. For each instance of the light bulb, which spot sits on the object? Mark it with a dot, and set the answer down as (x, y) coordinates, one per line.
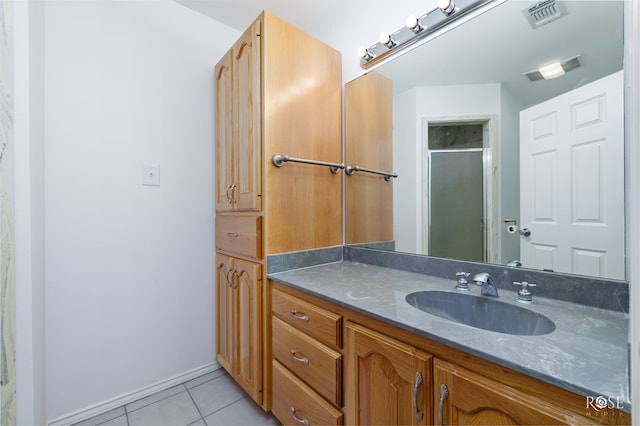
(446, 6)
(413, 24)
(387, 40)
(364, 53)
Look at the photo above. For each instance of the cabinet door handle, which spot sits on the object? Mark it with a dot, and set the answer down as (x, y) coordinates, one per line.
(305, 422)
(301, 317)
(227, 193)
(229, 282)
(233, 197)
(416, 387)
(444, 393)
(233, 234)
(294, 355)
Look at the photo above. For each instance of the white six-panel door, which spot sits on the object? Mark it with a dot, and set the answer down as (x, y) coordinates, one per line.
(572, 181)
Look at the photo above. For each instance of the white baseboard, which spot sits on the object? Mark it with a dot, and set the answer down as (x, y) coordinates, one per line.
(110, 404)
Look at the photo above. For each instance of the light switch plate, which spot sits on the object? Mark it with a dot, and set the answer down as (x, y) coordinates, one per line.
(151, 174)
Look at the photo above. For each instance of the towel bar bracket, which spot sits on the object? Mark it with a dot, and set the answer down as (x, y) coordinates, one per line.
(349, 170)
(279, 160)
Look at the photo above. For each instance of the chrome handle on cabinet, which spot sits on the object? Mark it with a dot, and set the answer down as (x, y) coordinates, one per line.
(302, 317)
(444, 393)
(229, 282)
(233, 235)
(294, 355)
(416, 387)
(305, 422)
(233, 197)
(227, 193)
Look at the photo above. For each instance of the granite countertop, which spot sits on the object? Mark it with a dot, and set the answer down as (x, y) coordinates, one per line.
(586, 354)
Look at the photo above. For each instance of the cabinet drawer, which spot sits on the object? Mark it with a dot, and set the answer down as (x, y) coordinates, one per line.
(313, 320)
(316, 364)
(294, 401)
(240, 235)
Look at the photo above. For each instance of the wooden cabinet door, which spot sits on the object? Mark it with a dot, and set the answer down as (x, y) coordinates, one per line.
(248, 371)
(387, 382)
(225, 312)
(463, 397)
(224, 134)
(247, 120)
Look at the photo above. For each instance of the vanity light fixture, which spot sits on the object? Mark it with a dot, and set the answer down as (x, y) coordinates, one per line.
(419, 30)
(447, 6)
(387, 40)
(414, 24)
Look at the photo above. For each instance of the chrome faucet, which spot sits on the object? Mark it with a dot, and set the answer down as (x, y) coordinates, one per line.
(488, 284)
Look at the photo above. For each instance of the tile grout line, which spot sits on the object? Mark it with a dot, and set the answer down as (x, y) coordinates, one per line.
(126, 410)
(228, 405)
(196, 405)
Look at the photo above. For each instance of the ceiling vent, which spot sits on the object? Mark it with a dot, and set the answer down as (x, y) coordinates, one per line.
(544, 12)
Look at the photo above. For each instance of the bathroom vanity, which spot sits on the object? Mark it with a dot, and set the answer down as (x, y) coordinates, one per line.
(345, 337)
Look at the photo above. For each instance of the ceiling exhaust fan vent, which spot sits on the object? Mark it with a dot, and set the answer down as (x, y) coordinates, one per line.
(543, 13)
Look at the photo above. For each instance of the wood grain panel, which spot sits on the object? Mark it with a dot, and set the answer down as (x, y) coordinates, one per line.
(320, 323)
(240, 235)
(247, 120)
(302, 89)
(224, 133)
(474, 399)
(381, 380)
(317, 365)
(291, 397)
(368, 143)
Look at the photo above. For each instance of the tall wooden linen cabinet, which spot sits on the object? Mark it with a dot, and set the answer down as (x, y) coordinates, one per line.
(278, 91)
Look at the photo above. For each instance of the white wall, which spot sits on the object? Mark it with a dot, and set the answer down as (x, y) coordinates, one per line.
(129, 268)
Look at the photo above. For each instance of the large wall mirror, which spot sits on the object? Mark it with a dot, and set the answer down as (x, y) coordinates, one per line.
(494, 165)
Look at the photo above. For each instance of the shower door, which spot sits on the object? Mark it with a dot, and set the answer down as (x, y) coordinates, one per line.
(456, 221)
(456, 206)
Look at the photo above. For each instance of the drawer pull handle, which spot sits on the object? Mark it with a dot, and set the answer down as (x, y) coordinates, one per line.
(419, 413)
(305, 422)
(294, 355)
(233, 234)
(301, 317)
(444, 393)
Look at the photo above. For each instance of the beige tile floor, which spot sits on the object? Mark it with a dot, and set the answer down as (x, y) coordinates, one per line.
(212, 399)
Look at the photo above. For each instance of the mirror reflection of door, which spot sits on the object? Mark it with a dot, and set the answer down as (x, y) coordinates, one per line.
(572, 181)
(456, 190)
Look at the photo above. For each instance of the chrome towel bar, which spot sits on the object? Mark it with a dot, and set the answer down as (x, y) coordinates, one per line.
(280, 159)
(387, 175)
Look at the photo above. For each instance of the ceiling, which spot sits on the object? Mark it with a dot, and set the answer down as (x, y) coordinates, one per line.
(239, 14)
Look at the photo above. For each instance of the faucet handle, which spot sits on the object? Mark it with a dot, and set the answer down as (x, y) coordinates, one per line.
(463, 284)
(524, 295)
